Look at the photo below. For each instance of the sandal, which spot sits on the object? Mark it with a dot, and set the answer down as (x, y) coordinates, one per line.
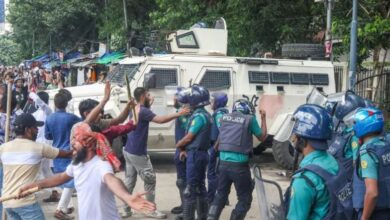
(70, 210)
(51, 199)
(62, 216)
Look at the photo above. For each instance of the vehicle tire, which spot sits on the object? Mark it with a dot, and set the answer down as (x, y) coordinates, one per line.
(303, 50)
(283, 154)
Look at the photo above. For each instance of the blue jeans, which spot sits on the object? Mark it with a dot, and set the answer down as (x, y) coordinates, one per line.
(29, 212)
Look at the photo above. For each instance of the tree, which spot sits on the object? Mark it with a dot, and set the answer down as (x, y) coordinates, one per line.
(10, 52)
(373, 29)
(253, 25)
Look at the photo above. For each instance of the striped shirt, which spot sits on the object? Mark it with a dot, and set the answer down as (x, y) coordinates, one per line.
(21, 160)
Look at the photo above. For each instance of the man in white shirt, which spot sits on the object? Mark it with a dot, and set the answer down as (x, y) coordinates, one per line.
(94, 179)
(41, 100)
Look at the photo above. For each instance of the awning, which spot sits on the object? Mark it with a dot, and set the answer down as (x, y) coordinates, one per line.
(110, 58)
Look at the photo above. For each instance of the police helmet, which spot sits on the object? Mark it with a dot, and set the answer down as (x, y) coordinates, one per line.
(220, 99)
(349, 104)
(196, 96)
(368, 121)
(243, 106)
(314, 124)
(179, 95)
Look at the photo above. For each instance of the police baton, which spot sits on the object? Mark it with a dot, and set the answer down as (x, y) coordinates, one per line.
(130, 97)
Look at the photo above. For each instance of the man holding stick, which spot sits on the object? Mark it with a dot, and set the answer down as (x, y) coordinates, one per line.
(135, 151)
(94, 179)
(21, 159)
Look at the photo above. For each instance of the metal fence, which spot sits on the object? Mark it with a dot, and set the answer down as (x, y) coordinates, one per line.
(371, 85)
(374, 85)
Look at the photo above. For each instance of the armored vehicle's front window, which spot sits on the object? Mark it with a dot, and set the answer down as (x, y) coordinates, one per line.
(117, 75)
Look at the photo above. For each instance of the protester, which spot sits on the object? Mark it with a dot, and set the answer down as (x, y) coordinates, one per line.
(135, 151)
(20, 92)
(94, 179)
(41, 100)
(57, 128)
(21, 160)
(3, 118)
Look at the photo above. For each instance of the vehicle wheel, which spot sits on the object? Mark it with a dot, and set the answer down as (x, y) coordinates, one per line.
(284, 154)
(303, 50)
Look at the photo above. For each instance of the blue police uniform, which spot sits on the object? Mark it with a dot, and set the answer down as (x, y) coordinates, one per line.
(180, 129)
(373, 163)
(235, 145)
(195, 192)
(342, 147)
(312, 200)
(212, 178)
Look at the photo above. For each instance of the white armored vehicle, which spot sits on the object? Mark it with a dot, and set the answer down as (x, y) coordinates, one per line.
(198, 55)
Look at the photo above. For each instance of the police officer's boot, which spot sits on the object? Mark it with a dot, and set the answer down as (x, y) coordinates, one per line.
(189, 204)
(201, 208)
(214, 212)
(179, 209)
(237, 216)
(189, 209)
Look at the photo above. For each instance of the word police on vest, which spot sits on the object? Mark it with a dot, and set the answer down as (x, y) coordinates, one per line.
(345, 193)
(386, 159)
(236, 119)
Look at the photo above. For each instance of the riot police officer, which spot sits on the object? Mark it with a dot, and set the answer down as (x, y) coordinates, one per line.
(218, 105)
(371, 197)
(180, 128)
(235, 145)
(309, 196)
(194, 146)
(344, 145)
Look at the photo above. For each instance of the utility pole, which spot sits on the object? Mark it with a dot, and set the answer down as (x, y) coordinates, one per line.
(107, 36)
(33, 44)
(328, 33)
(50, 47)
(353, 46)
(126, 29)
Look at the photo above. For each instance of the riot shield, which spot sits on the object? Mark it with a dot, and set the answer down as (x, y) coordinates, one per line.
(269, 196)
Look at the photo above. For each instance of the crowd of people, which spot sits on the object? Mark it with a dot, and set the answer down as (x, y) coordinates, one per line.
(343, 173)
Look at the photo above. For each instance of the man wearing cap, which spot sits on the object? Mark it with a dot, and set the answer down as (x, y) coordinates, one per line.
(94, 178)
(21, 160)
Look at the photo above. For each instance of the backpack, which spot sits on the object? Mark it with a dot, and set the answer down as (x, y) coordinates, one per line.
(339, 189)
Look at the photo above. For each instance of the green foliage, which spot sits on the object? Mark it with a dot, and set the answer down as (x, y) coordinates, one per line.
(74, 24)
(373, 27)
(253, 25)
(9, 51)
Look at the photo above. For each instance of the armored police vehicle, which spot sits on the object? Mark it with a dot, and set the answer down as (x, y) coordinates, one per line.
(198, 55)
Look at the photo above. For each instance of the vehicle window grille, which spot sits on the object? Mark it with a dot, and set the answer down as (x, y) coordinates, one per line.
(258, 77)
(300, 78)
(319, 79)
(165, 77)
(117, 75)
(216, 79)
(280, 78)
